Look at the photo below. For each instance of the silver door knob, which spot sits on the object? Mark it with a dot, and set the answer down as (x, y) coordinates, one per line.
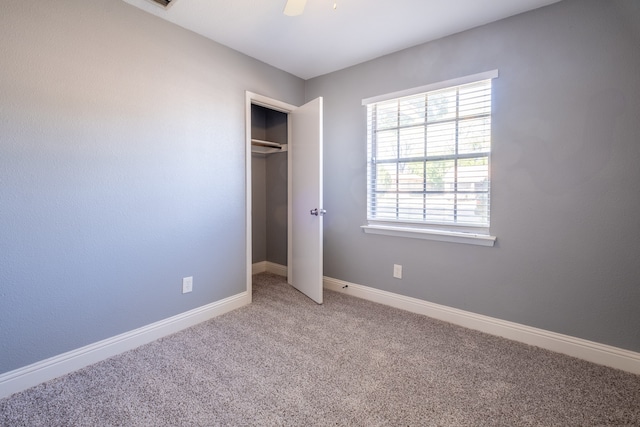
(317, 212)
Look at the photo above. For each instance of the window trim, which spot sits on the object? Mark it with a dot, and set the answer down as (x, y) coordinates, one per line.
(469, 238)
(486, 75)
(429, 231)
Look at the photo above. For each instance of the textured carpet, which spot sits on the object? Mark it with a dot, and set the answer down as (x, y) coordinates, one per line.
(284, 360)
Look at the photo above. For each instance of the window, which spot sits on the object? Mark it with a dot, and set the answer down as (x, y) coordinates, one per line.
(428, 157)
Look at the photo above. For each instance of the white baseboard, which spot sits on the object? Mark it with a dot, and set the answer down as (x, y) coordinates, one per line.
(269, 267)
(259, 267)
(45, 370)
(29, 376)
(576, 347)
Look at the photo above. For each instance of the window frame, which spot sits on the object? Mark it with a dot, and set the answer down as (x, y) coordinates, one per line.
(449, 232)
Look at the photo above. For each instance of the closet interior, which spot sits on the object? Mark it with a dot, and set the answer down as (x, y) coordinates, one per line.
(269, 175)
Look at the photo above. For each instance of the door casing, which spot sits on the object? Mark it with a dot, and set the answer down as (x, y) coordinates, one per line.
(305, 278)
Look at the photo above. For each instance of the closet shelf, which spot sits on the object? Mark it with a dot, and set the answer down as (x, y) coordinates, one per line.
(267, 147)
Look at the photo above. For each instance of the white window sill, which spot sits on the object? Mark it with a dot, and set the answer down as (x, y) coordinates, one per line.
(439, 235)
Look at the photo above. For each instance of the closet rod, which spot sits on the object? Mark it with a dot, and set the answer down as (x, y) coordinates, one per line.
(266, 143)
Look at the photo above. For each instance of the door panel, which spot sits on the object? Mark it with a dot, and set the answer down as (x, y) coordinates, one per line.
(305, 159)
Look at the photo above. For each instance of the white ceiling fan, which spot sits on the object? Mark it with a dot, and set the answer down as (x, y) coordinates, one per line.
(296, 7)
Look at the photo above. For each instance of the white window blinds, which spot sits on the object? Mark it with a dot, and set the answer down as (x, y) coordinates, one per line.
(428, 157)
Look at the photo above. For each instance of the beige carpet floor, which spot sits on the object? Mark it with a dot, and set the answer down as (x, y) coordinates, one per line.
(285, 361)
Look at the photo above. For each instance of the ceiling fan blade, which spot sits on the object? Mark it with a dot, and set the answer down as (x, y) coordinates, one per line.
(294, 7)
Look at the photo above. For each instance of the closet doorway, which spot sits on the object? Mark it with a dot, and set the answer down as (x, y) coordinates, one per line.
(281, 137)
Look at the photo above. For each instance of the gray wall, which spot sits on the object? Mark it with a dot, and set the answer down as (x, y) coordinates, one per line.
(258, 188)
(277, 192)
(565, 173)
(122, 158)
(276, 209)
(258, 207)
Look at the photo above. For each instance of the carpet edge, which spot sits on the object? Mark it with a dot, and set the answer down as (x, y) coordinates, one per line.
(31, 375)
(590, 351)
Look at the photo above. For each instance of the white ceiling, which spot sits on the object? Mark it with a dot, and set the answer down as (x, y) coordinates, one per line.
(323, 40)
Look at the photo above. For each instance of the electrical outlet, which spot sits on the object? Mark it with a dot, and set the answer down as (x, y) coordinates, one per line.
(397, 271)
(187, 284)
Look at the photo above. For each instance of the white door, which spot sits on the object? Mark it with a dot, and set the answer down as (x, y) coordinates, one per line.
(305, 179)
